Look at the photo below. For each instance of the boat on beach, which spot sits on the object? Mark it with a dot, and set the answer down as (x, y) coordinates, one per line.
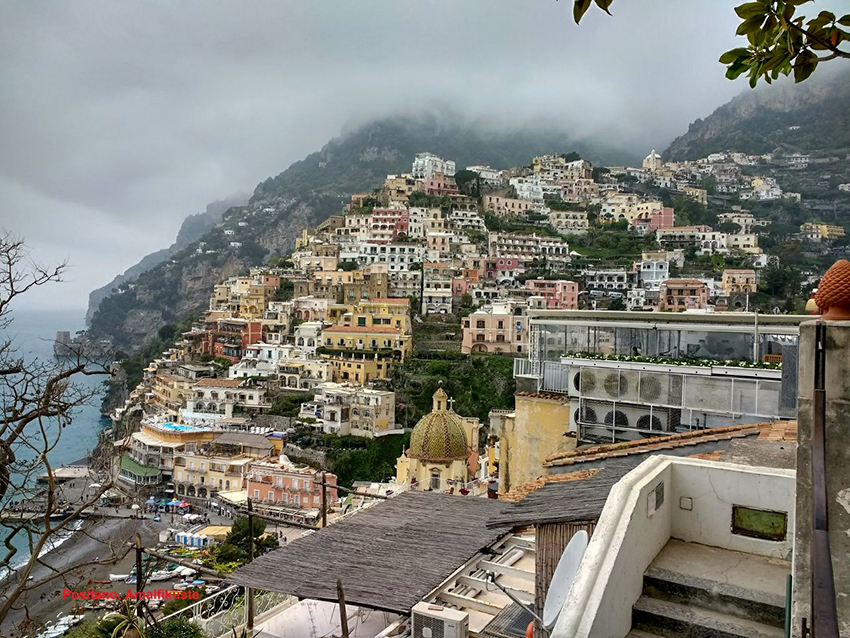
(116, 577)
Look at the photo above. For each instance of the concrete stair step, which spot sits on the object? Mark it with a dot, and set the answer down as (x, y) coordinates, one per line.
(639, 633)
(675, 620)
(723, 597)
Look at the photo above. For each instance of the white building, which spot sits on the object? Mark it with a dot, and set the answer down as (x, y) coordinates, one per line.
(489, 176)
(350, 409)
(653, 272)
(528, 188)
(652, 162)
(426, 164)
(308, 336)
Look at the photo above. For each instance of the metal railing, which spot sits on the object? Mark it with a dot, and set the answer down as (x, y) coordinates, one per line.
(223, 612)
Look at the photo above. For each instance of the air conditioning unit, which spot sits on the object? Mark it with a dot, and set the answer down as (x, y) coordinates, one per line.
(435, 621)
(608, 421)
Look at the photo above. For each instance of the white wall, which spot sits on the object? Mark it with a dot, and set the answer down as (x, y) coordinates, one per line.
(715, 488)
(631, 532)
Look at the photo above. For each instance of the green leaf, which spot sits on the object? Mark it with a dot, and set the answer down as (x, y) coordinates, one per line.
(844, 21)
(604, 4)
(580, 7)
(751, 10)
(805, 65)
(736, 69)
(733, 54)
(751, 25)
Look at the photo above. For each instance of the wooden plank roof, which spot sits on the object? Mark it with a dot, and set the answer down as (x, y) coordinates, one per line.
(388, 556)
(566, 501)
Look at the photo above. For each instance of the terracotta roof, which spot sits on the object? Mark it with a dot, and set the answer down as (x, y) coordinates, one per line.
(524, 489)
(218, 383)
(708, 456)
(778, 431)
(375, 329)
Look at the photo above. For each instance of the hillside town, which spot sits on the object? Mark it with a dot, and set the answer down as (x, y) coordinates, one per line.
(611, 358)
(328, 323)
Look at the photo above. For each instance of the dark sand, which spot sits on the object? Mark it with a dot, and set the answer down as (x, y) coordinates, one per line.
(104, 537)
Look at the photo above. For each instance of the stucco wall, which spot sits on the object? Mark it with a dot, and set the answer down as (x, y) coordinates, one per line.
(534, 433)
(837, 438)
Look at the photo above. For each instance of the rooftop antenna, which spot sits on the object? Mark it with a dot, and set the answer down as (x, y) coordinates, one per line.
(562, 579)
(560, 585)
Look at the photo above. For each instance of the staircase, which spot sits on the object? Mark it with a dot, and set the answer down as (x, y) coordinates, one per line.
(696, 591)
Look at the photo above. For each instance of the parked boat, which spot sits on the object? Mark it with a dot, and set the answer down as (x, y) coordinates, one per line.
(116, 577)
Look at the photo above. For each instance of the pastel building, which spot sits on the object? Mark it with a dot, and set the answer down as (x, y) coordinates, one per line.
(683, 294)
(558, 294)
(287, 485)
(498, 327)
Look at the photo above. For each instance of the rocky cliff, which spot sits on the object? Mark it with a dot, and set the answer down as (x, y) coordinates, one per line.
(808, 117)
(306, 193)
(192, 229)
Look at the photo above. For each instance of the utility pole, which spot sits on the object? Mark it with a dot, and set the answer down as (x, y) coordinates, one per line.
(249, 623)
(343, 616)
(324, 502)
(139, 579)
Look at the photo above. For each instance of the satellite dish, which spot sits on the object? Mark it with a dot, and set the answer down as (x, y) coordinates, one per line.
(562, 579)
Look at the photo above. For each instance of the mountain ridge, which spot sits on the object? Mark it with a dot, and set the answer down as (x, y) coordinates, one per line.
(811, 116)
(306, 193)
(192, 228)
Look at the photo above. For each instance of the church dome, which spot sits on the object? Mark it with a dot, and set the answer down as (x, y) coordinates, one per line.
(439, 435)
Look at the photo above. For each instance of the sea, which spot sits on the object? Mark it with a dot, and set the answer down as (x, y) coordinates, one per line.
(32, 333)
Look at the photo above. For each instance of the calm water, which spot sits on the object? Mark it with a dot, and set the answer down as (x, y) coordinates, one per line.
(33, 334)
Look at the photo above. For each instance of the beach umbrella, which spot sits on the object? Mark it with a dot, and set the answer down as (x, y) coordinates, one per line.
(134, 506)
(174, 503)
(184, 504)
(95, 485)
(150, 501)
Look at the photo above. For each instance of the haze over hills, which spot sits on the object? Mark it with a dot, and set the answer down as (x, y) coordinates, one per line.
(807, 117)
(192, 228)
(306, 193)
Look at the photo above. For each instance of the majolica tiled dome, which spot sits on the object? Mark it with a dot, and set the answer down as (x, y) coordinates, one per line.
(439, 435)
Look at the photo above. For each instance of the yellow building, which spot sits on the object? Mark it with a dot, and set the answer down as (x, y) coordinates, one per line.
(816, 231)
(443, 453)
(218, 465)
(378, 312)
(360, 369)
(739, 281)
(382, 340)
(534, 430)
(169, 391)
(698, 194)
(399, 187)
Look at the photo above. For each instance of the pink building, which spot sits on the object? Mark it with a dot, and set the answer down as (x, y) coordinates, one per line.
(683, 294)
(499, 327)
(465, 281)
(559, 294)
(496, 268)
(289, 486)
(438, 184)
(386, 224)
(662, 218)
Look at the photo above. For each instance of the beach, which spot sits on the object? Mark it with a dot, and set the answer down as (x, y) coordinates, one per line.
(104, 535)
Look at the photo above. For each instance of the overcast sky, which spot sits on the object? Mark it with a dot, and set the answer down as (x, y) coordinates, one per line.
(120, 118)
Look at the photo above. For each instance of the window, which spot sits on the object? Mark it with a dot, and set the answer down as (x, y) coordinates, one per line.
(257, 494)
(479, 324)
(271, 495)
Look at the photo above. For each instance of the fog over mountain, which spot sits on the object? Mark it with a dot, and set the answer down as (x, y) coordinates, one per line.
(121, 119)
